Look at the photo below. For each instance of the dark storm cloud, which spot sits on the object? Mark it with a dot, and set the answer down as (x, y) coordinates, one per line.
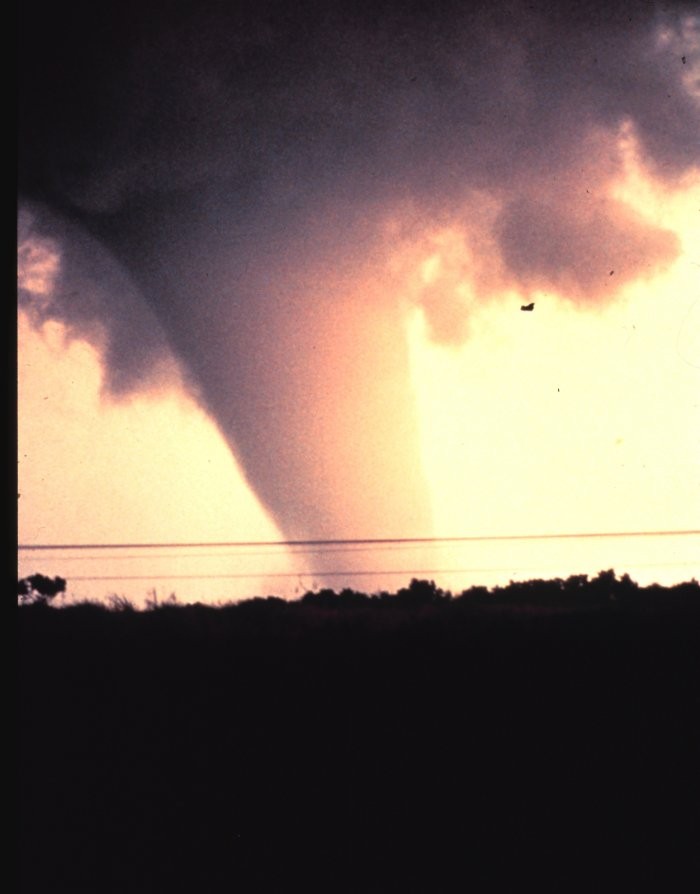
(81, 285)
(545, 245)
(235, 161)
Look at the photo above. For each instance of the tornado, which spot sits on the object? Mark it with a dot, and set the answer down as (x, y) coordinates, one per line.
(250, 189)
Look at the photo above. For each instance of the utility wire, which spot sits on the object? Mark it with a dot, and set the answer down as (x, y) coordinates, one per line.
(226, 552)
(324, 574)
(368, 541)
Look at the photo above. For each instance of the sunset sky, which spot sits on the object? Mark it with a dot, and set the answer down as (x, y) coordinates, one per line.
(271, 271)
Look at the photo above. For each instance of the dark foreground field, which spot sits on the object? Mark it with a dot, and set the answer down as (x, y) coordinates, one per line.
(532, 740)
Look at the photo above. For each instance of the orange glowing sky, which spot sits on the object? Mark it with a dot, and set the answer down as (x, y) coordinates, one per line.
(565, 420)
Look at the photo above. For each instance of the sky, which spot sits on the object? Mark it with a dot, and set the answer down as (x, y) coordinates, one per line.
(271, 266)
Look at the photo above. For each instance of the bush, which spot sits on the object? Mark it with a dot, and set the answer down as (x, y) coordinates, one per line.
(37, 588)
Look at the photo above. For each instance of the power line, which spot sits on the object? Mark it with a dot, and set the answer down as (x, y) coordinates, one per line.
(230, 553)
(297, 551)
(366, 541)
(323, 574)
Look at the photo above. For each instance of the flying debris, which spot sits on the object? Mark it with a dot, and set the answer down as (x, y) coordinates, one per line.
(528, 306)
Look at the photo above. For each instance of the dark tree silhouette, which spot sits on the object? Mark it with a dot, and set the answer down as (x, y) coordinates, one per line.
(37, 588)
(420, 592)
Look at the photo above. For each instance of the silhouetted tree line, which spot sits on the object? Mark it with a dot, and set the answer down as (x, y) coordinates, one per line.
(541, 736)
(605, 591)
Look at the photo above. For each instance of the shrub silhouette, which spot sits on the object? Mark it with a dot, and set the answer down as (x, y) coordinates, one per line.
(419, 593)
(39, 589)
